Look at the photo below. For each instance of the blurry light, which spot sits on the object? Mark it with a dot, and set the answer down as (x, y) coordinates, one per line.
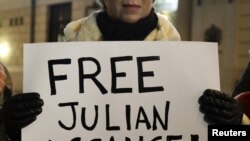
(166, 5)
(4, 49)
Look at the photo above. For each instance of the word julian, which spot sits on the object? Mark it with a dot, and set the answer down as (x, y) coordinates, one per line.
(142, 118)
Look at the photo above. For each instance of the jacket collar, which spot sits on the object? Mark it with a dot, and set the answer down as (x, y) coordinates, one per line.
(86, 29)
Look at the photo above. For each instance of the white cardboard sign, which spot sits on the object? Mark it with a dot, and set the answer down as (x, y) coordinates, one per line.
(119, 91)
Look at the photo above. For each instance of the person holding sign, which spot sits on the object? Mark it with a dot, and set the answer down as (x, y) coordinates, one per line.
(122, 20)
(119, 20)
(218, 108)
(16, 110)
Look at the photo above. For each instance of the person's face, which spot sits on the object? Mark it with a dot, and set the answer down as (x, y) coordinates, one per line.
(129, 11)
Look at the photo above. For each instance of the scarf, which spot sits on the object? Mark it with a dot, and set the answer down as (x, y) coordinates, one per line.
(115, 30)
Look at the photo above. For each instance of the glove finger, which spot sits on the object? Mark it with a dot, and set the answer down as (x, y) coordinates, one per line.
(218, 95)
(204, 100)
(215, 101)
(207, 94)
(27, 121)
(19, 124)
(18, 115)
(25, 97)
(213, 119)
(210, 110)
(14, 135)
(28, 104)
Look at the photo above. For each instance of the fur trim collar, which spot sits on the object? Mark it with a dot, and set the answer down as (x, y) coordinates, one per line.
(86, 29)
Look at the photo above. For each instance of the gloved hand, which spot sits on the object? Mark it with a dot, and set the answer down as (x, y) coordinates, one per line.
(219, 108)
(19, 111)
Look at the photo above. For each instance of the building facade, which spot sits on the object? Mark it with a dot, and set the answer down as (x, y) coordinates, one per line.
(224, 21)
(37, 21)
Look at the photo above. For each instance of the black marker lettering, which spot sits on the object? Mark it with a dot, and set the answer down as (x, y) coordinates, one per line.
(194, 137)
(52, 77)
(108, 127)
(84, 124)
(83, 76)
(72, 104)
(128, 117)
(142, 74)
(156, 138)
(157, 116)
(114, 88)
(171, 138)
(76, 139)
(144, 120)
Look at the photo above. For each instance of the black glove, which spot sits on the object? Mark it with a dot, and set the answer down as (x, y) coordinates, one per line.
(218, 108)
(19, 111)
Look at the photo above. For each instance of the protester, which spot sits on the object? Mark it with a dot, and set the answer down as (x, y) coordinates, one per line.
(119, 20)
(122, 20)
(16, 110)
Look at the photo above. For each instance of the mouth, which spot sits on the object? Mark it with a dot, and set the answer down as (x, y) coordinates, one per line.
(131, 7)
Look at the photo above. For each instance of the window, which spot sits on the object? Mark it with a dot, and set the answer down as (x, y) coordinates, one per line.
(16, 21)
(60, 15)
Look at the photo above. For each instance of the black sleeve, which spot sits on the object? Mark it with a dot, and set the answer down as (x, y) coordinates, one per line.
(6, 95)
(243, 85)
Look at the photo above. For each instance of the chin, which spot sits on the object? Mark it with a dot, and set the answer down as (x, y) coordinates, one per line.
(130, 19)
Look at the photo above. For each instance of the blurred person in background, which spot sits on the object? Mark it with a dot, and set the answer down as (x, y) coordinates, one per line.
(16, 110)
